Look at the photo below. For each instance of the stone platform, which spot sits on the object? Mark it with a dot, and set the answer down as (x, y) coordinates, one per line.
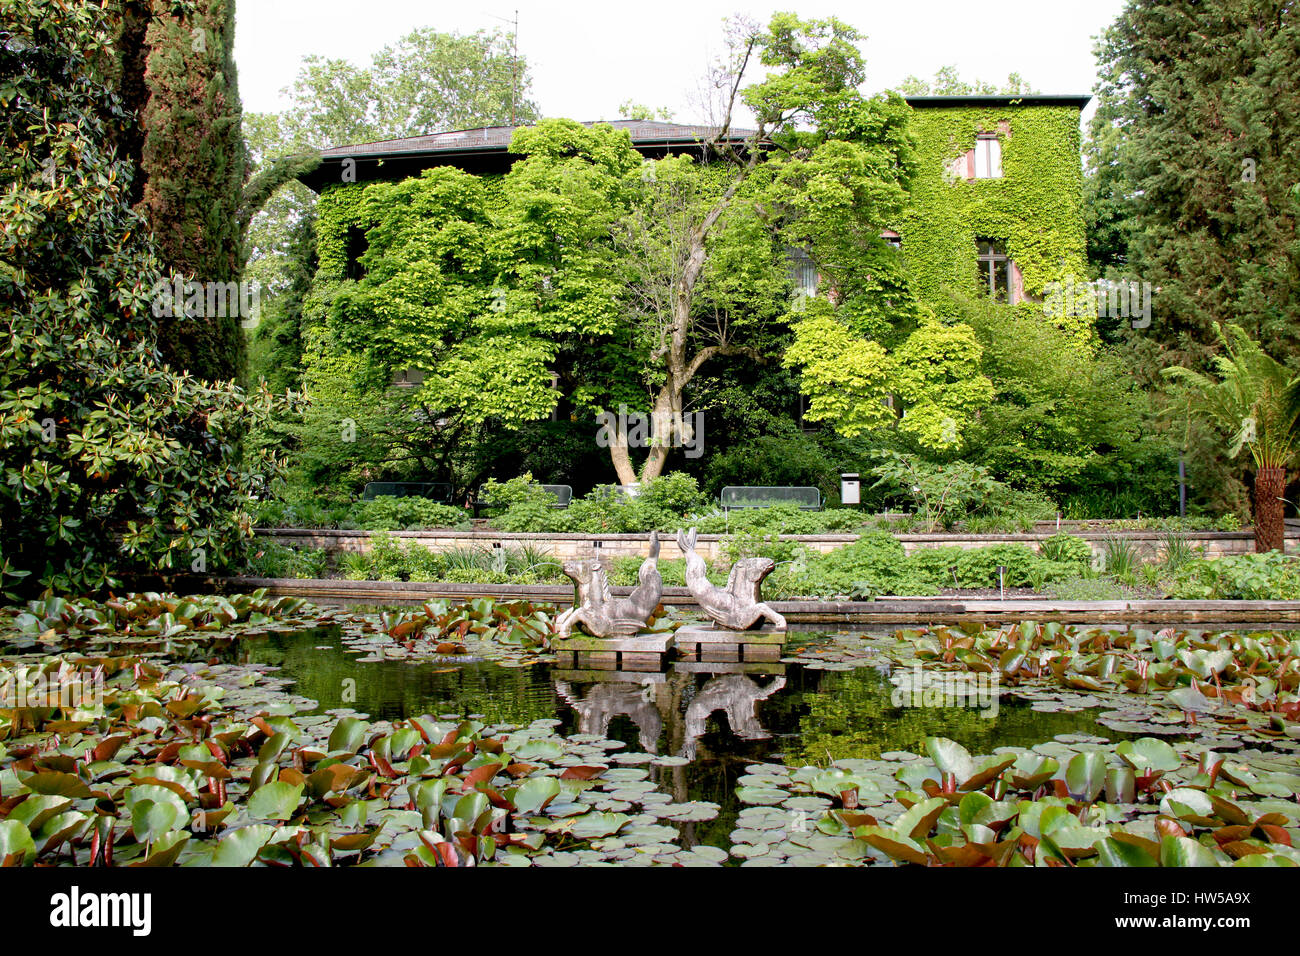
(643, 652)
(707, 643)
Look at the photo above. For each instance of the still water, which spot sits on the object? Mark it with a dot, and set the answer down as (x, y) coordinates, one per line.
(721, 717)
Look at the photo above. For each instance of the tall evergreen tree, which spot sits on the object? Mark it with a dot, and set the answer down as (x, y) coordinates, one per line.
(192, 171)
(1195, 150)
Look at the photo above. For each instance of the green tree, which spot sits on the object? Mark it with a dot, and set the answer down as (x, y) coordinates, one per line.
(1194, 152)
(1254, 400)
(948, 82)
(111, 461)
(192, 172)
(426, 82)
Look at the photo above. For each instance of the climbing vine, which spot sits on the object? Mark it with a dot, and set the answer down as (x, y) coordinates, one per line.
(1036, 207)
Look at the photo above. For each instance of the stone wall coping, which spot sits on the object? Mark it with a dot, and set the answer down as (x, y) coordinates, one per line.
(918, 537)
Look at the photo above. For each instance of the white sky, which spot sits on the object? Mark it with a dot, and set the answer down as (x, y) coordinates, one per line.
(589, 56)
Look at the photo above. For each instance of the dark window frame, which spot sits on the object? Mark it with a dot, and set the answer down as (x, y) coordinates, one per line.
(991, 258)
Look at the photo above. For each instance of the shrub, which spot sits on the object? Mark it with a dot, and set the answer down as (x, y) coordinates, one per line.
(404, 514)
(1270, 576)
(1067, 548)
(271, 559)
(940, 494)
(784, 459)
(780, 519)
(110, 461)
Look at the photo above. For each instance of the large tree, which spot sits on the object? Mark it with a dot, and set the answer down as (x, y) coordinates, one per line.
(1194, 152)
(702, 258)
(192, 169)
(620, 280)
(425, 82)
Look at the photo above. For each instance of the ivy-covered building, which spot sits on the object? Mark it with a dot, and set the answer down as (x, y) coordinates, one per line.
(997, 207)
(997, 202)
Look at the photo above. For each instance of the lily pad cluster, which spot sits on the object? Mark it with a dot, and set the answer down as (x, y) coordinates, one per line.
(176, 767)
(147, 617)
(1254, 670)
(1075, 802)
(513, 632)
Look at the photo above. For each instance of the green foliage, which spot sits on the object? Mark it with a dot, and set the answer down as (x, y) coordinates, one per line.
(426, 81)
(404, 514)
(1196, 192)
(1066, 547)
(785, 457)
(1087, 589)
(111, 461)
(389, 559)
(1065, 414)
(661, 503)
(1270, 576)
(940, 493)
(780, 519)
(1035, 207)
(1252, 399)
(623, 573)
(876, 564)
(948, 82)
(192, 171)
(270, 559)
(1120, 558)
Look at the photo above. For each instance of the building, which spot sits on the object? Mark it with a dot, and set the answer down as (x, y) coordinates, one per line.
(997, 207)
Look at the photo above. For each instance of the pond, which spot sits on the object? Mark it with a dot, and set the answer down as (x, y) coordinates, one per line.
(722, 720)
(265, 731)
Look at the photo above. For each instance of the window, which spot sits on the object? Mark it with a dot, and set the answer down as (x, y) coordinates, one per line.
(988, 156)
(893, 238)
(994, 269)
(355, 247)
(803, 273)
(408, 377)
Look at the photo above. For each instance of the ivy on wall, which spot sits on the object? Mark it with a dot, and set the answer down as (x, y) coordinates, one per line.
(1036, 207)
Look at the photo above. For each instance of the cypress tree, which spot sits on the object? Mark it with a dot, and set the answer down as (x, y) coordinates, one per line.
(1204, 100)
(192, 167)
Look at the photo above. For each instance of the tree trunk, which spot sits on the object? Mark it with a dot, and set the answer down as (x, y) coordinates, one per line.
(1270, 526)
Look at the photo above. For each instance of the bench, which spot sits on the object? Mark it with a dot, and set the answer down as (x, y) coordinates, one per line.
(563, 496)
(433, 490)
(765, 496)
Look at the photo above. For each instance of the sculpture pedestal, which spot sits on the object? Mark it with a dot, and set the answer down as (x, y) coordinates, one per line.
(642, 652)
(708, 642)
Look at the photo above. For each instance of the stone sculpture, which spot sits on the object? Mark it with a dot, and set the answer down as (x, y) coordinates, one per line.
(603, 615)
(739, 605)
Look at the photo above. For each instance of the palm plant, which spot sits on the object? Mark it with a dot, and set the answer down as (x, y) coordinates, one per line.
(1256, 401)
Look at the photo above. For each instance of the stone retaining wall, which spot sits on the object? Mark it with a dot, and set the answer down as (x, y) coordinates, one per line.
(564, 547)
(886, 611)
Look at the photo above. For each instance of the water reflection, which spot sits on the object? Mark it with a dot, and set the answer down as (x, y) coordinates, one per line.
(676, 705)
(597, 706)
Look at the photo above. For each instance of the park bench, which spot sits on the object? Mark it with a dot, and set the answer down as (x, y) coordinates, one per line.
(563, 495)
(433, 490)
(765, 496)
